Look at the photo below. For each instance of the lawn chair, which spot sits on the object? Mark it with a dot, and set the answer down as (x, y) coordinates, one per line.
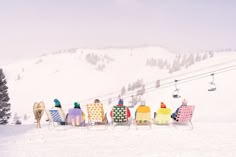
(163, 116)
(184, 116)
(120, 116)
(55, 115)
(76, 117)
(143, 116)
(96, 114)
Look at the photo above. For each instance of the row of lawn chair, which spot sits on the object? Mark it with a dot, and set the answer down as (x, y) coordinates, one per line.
(97, 116)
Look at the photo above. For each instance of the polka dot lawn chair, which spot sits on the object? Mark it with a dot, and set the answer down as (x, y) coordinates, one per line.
(96, 114)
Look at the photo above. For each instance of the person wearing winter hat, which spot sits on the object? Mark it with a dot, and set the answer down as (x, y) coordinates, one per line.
(142, 107)
(174, 115)
(163, 105)
(162, 110)
(121, 103)
(59, 107)
(75, 115)
(57, 103)
(76, 105)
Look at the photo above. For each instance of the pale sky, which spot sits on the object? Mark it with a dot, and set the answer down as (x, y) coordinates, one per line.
(29, 27)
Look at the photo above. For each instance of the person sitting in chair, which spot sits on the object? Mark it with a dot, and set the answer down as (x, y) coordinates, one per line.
(75, 115)
(97, 101)
(162, 106)
(174, 115)
(121, 103)
(59, 107)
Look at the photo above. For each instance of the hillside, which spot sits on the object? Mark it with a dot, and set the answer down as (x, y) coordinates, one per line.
(84, 74)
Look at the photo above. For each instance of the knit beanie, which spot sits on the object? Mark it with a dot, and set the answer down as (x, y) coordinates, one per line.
(163, 105)
(57, 103)
(76, 105)
(121, 102)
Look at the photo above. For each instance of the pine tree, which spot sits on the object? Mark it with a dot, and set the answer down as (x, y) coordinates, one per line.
(4, 98)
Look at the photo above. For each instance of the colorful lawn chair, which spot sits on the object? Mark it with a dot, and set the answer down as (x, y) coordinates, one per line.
(120, 115)
(143, 115)
(76, 117)
(163, 116)
(185, 115)
(96, 114)
(55, 115)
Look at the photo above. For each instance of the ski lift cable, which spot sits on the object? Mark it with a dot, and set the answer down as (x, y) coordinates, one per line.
(171, 83)
(197, 70)
(167, 78)
(184, 80)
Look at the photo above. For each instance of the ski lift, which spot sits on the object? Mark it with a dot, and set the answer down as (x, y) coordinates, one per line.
(176, 91)
(212, 85)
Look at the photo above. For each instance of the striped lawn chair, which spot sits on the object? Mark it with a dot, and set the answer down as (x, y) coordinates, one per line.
(55, 115)
(96, 114)
(185, 115)
(120, 115)
(143, 115)
(163, 116)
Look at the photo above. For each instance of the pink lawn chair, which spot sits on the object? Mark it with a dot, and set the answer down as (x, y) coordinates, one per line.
(185, 115)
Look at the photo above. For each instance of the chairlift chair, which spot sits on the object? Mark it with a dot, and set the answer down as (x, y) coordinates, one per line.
(176, 91)
(212, 85)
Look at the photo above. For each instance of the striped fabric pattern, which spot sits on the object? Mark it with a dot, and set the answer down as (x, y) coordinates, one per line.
(185, 113)
(56, 117)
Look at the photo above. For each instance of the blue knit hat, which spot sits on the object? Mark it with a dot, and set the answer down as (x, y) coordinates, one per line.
(121, 102)
(57, 103)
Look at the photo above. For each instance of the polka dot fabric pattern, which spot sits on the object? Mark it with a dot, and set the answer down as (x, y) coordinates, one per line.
(95, 112)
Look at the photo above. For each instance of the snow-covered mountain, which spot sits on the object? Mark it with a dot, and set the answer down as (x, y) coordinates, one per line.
(85, 74)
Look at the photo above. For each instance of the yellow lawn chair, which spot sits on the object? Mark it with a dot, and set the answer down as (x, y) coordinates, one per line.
(163, 116)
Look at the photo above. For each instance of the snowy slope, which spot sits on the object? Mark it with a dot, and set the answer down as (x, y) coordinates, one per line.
(69, 77)
(205, 140)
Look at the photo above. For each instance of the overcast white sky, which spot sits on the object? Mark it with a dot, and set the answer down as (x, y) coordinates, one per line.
(30, 28)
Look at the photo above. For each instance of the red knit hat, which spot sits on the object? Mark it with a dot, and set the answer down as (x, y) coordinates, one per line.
(163, 105)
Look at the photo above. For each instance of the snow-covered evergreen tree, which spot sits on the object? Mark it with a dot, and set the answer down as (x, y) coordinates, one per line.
(4, 98)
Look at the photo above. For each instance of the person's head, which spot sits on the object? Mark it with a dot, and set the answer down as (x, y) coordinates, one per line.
(57, 103)
(163, 105)
(76, 105)
(96, 101)
(143, 102)
(121, 102)
(184, 102)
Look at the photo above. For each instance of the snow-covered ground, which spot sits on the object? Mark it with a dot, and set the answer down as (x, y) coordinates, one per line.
(69, 77)
(205, 140)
